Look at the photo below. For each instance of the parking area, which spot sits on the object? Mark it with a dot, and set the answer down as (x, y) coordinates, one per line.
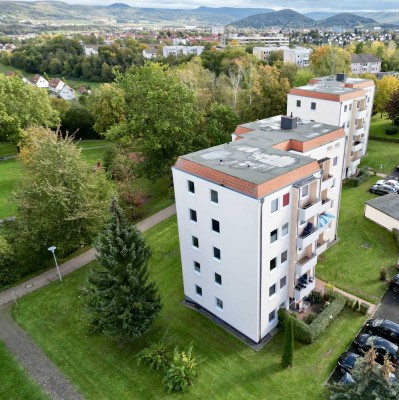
(388, 309)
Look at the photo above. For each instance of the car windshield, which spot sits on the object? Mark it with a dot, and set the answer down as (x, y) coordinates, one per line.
(351, 358)
(391, 326)
(377, 322)
(370, 341)
(379, 342)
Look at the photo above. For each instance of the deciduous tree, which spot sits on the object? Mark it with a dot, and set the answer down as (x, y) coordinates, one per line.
(384, 90)
(329, 60)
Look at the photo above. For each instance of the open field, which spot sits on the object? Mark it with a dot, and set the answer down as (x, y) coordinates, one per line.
(15, 384)
(378, 126)
(381, 156)
(103, 368)
(353, 264)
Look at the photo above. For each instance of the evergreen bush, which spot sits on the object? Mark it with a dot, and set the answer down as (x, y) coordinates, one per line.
(391, 130)
(288, 352)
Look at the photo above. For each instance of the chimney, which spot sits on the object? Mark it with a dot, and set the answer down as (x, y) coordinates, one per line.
(342, 77)
(289, 122)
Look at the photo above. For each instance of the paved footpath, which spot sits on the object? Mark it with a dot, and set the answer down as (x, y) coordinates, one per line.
(29, 355)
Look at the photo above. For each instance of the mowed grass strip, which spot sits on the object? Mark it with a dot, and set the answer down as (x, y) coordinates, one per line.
(381, 156)
(353, 264)
(103, 368)
(15, 383)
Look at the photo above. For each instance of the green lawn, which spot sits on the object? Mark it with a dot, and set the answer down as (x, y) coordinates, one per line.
(15, 383)
(10, 174)
(381, 156)
(102, 368)
(7, 149)
(348, 264)
(378, 126)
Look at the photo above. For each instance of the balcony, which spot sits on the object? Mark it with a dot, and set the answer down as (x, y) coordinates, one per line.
(305, 264)
(360, 131)
(361, 114)
(326, 204)
(357, 146)
(323, 228)
(309, 210)
(327, 182)
(303, 290)
(306, 239)
(321, 248)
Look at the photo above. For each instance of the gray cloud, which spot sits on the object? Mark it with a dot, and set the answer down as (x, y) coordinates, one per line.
(298, 5)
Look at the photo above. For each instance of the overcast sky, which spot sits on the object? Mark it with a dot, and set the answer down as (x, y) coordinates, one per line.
(298, 5)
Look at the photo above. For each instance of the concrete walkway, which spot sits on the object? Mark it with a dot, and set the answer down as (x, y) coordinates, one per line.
(320, 285)
(28, 354)
(49, 276)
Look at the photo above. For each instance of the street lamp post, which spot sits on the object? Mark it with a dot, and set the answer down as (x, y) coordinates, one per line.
(52, 249)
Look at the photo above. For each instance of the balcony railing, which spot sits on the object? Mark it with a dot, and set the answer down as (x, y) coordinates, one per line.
(305, 264)
(304, 289)
(327, 182)
(357, 146)
(309, 210)
(326, 204)
(321, 247)
(361, 114)
(305, 240)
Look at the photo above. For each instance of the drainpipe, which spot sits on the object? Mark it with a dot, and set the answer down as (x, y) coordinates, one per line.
(262, 200)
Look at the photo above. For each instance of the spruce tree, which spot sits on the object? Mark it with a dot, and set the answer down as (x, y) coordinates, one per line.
(287, 359)
(119, 296)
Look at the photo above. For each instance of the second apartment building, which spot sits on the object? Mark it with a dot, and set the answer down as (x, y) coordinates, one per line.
(341, 101)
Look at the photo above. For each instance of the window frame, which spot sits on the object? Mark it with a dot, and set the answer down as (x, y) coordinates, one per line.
(193, 240)
(196, 291)
(189, 184)
(217, 224)
(197, 267)
(284, 280)
(313, 106)
(273, 233)
(286, 256)
(217, 196)
(193, 213)
(276, 202)
(215, 250)
(275, 290)
(218, 307)
(215, 280)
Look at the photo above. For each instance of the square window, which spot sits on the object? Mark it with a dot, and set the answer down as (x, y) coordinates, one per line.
(298, 103)
(195, 241)
(218, 279)
(219, 304)
(286, 199)
(272, 290)
(273, 263)
(274, 205)
(273, 236)
(216, 253)
(272, 316)
(313, 106)
(345, 108)
(193, 215)
(283, 282)
(284, 229)
(191, 186)
(197, 267)
(214, 196)
(335, 161)
(284, 256)
(198, 290)
(215, 226)
(305, 191)
(350, 107)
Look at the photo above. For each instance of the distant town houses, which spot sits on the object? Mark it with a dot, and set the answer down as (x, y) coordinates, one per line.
(9, 47)
(296, 55)
(272, 40)
(61, 89)
(182, 50)
(90, 50)
(365, 63)
(39, 81)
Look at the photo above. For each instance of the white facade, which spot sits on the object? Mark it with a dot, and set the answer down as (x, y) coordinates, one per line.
(56, 85)
(67, 93)
(182, 50)
(365, 63)
(40, 82)
(298, 56)
(262, 256)
(217, 29)
(380, 218)
(263, 53)
(90, 50)
(383, 211)
(346, 104)
(277, 40)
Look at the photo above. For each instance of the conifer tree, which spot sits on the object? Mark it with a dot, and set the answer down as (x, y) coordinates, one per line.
(287, 359)
(119, 296)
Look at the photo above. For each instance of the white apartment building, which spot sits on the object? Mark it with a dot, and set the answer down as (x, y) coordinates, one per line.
(263, 53)
(340, 101)
(365, 63)
(253, 216)
(298, 56)
(217, 29)
(182, 50)
(273, 40)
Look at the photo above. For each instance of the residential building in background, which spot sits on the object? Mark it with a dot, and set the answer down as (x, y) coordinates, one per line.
(263, 53)
(340, 101)
(39, 81)
(253, 216)
(272, 40)
(298, 56)
(182, 50)
(217, 29)
(365, 63)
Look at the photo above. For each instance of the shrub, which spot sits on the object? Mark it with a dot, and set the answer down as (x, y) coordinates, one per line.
(309, 333)
(356, 307)
(155, 356)
(310, 318)
(363, 176)
(287, 358)
(182, 371)
(391, 130)
(9, 270)
(383, 273)
(329, 292)
(364, 308)
(315, 297)
(350, 303)
(396, 121)
(395, 233)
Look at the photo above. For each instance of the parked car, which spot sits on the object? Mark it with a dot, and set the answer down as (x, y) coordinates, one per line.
(394, 283)
(381, 346)
(346, 361)
(390, 182)
(384, 328)
(347, 378)
(382, 189)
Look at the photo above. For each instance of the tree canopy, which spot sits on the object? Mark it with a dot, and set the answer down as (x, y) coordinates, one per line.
(329, 60)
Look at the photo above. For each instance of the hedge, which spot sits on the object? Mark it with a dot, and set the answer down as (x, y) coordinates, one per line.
(364, 308)
(391, 130)
(309, 333)
(362, 177)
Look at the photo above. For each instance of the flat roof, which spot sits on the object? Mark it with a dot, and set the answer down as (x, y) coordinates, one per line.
(329, 89)
(387, 204)
(253, 158)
